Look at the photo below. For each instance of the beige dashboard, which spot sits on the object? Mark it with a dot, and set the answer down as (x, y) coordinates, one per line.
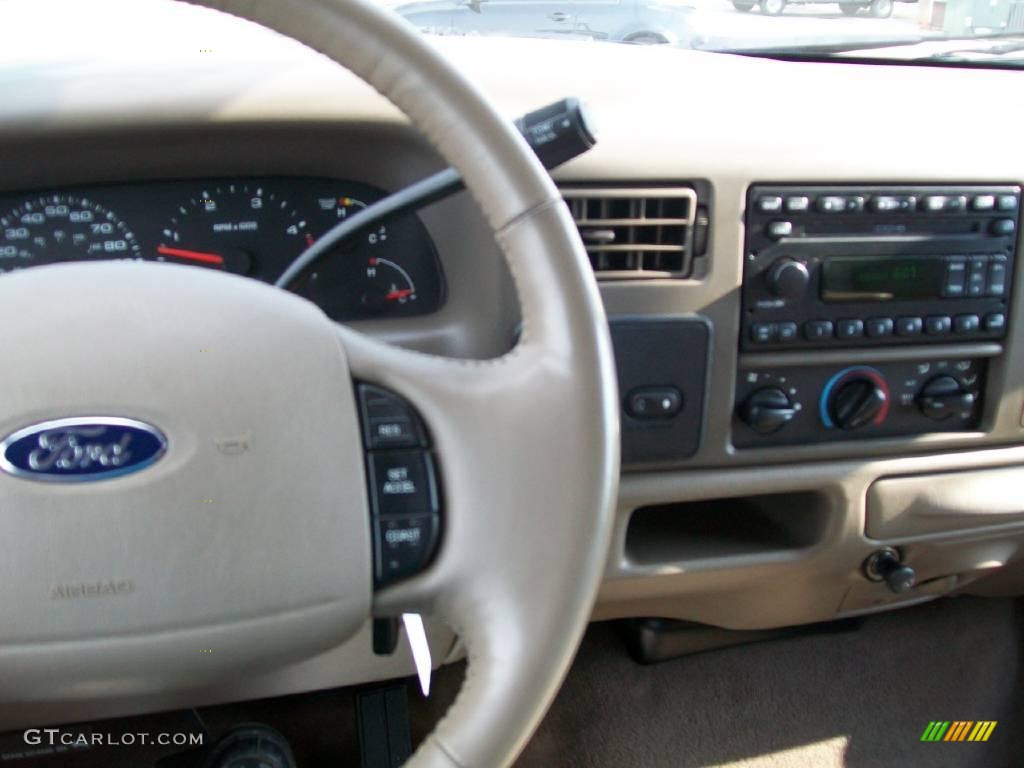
(740, 539)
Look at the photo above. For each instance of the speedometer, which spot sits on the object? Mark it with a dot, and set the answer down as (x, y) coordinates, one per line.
(55, 228)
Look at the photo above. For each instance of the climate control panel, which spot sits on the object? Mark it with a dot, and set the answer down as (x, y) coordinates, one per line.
(801, 404)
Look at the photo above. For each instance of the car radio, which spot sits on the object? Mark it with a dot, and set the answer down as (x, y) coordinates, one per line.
(838, 266)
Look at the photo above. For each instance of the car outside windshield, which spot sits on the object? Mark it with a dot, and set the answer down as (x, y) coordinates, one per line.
(776, 26)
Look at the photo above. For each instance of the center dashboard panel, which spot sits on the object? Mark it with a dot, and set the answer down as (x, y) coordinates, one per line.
(871, 311)
(253, 227)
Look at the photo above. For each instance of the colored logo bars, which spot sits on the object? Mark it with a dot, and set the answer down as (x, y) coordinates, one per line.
(958, 730)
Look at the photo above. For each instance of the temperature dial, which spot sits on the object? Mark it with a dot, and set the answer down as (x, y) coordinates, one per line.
(854, 398)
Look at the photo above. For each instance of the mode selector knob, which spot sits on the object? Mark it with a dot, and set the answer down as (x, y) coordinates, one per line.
(943, 396)
(857, 402)
(767, 409)
(788, 278)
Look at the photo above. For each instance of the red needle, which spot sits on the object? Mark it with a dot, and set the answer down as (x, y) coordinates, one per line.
(394, 295)
(181, 253)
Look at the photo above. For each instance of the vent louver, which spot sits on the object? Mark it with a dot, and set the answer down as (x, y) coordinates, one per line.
(635, 232)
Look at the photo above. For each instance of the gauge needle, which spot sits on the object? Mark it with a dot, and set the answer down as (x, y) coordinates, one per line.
(400, 294)
(181, 253)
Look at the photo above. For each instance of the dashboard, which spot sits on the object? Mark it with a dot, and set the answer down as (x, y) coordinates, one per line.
(739, 527)
(246, 226)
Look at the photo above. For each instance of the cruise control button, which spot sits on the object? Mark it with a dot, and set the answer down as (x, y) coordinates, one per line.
(966, 323)
(815, 330)
(936, 325)
(403, 546)
(909, 326)
(878, 327)
(388, 421)
(850, 328)
(402, 483)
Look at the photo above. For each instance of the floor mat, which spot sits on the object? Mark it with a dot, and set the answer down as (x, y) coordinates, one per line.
(853, 700)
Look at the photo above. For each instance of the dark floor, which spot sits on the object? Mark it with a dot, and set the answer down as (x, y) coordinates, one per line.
(849, 700)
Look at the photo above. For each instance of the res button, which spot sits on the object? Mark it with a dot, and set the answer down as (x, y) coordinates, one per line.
(388, 421)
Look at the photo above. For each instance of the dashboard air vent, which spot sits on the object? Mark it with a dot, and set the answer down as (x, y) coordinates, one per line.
(635, 232)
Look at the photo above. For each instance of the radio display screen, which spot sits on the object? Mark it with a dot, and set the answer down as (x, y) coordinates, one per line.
(881, 278)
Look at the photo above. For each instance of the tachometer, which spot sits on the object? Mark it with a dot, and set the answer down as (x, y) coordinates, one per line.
(239, 228)
(54, 228)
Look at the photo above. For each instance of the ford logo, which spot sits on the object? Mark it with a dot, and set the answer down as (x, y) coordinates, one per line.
(81, 449)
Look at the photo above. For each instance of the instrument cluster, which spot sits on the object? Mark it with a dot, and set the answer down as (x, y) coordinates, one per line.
(254, 227)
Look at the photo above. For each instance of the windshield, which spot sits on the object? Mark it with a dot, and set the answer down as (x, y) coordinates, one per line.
(737, 25)
(979, 32)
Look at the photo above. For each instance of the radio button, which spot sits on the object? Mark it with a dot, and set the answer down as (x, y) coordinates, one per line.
(885, 204)
(763, 333)
(966, 323)
(849, 328)
(787, 332)
(1006, 203)
(997, 276)
(909, 326)
(1003, 226)
(934, 203)
(769, 204)
(815, 330)
(879, 326)
(831, 204)
(956, 203)
(798, 203)
(936, 325)
(779, 229)
(977, 276)
(956, 276)
(983, 202)
(995, 321)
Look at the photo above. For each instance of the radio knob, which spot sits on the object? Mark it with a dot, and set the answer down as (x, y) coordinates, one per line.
(857, 402)
(943, 396)
(788, 278)
(767, 410)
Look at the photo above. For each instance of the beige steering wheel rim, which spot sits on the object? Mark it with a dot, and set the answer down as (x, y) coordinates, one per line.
(236, 538)
(521, 627)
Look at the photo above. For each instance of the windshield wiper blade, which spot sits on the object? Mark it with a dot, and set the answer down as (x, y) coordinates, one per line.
(821, 48)
(969, 53)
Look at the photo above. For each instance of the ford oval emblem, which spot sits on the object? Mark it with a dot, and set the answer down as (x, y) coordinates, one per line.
(81, 449)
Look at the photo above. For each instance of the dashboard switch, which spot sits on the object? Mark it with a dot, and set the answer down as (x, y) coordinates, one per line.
(654, 402)
(780, 229)
(767, 410)
(943, 396)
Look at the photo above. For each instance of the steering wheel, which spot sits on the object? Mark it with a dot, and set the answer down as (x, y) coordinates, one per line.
(247, 545)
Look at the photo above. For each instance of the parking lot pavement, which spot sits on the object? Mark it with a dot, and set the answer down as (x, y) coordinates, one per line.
(717, 21)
